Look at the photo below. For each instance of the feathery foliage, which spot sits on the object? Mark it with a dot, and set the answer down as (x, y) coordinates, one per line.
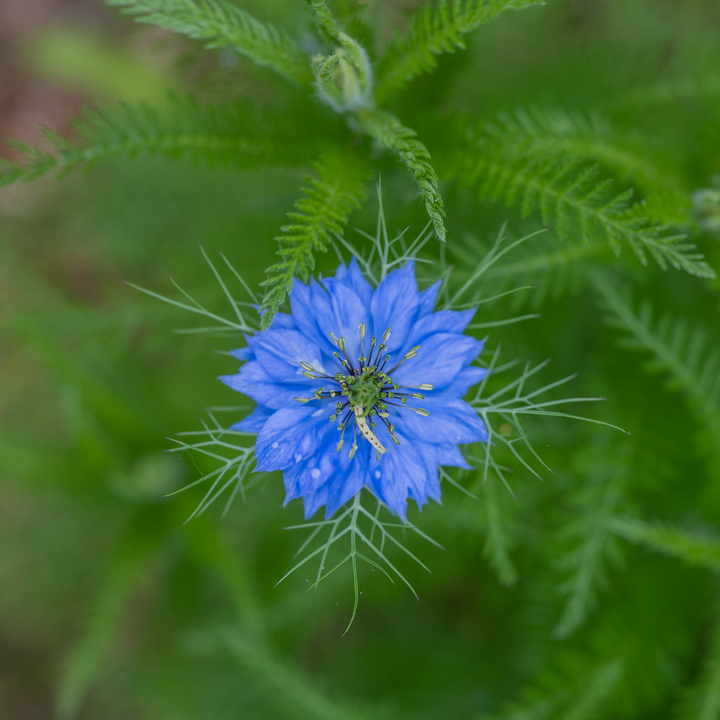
(338, 188)
(629, 155)
(584, 700)
(394, 136)
(589, 534)
(694, 549)
(690, 355)
(227, 135)
(435, 29)
(221, 24)
(574, 202)
(702, 701)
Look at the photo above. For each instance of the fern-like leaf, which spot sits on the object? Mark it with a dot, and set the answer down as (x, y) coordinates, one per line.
(694, 549)
(394, 136)
(594, 545)
(629, 155)
(437, 28)
(702, 702)
(222, 24)
(499, 540)
(571, 197)
(687, 354)
(338, 188)
(226, 135)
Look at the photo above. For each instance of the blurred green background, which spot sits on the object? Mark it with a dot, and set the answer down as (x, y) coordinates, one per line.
(112, 608)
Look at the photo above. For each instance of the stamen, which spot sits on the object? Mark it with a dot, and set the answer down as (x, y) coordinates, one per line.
(367, 390)
(354, 447)
(409, 354)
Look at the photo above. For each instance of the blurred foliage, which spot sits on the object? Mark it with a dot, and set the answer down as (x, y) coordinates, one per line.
(592, 594)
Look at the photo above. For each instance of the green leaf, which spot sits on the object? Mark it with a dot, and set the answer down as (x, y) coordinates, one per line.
(693, 549)
(221, 24)
(228, 135)
(574, 200)
(688, 354)
(325, 208)
(394, 136)
(592, 542)
(437, 28)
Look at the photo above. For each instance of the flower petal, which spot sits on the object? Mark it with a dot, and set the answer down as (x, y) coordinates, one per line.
(291, 435)
(311, 308)
(359, 284)
(463, 381)
(428, 298)
(451, 421)
(352, 278)
(395, 304)
(439, 360)
(254, 382)
(444, 321)
(450, 455)
(348, 313)
(280, 353)
(255, 421)
(242, 354)
(326, 478)
(400, 473)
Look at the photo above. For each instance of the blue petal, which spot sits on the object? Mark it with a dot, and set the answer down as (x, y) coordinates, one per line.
(400, 473)
(352, 278)
(326, 478)
(358, 283)
(254, 382)
(255, 421)
(348, 313)
(311, 309)
(242, 354)
(428, 298)
(463, 381)
(439, 360)
(429, 454)
(395, 304)
(444, 321)
(451, 421)
(291, 435)
(282, 320)
(451, 456)
(280, 353)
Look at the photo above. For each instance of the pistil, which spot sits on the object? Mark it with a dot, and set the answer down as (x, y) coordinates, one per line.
(365, 391)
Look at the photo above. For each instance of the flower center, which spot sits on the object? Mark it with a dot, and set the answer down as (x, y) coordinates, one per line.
(365, 392)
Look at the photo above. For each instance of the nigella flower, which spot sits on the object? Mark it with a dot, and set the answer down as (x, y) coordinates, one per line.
(360, 388)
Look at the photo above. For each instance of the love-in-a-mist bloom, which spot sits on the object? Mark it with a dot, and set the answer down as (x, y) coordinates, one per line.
(360, 387)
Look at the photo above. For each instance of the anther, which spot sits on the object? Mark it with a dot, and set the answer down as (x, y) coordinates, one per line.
(425, 386)
(421, 411)
(386, 335)
(303, 400)
(307, 366)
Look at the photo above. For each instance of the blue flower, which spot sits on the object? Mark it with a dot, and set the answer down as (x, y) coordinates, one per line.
(360, 387)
